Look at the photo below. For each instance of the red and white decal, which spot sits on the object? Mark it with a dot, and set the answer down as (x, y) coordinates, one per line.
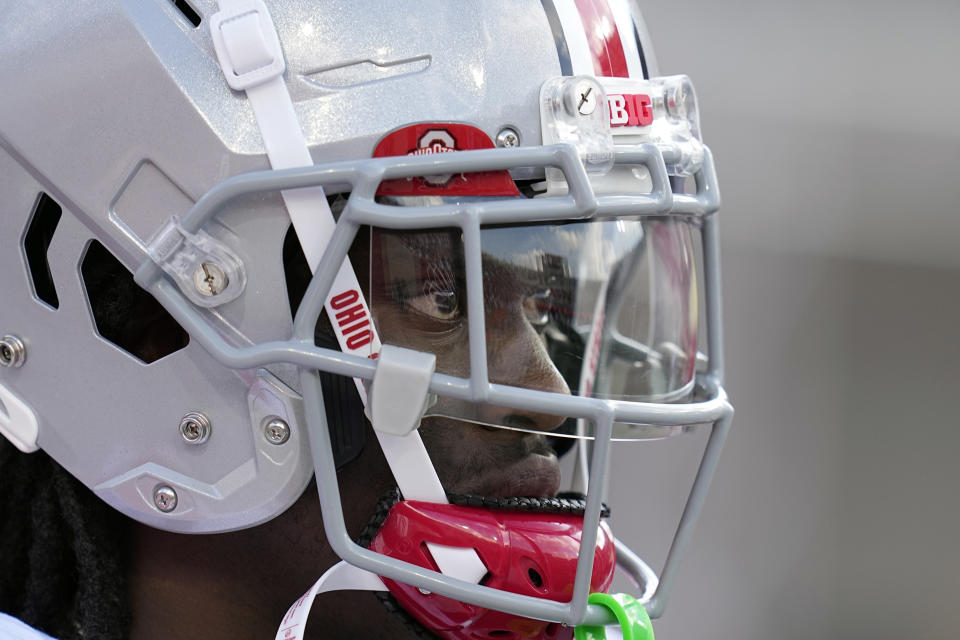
(630, 109)
(433, 138)
(352, 319)
(434, 141)
(603, 37)
(599, 36)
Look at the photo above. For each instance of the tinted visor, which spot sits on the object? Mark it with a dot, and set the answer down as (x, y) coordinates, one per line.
(605, 309)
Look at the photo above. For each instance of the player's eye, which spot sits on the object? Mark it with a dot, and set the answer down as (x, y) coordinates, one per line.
(439, 304)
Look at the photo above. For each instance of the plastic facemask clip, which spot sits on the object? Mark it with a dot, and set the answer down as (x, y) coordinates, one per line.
(661, 111)
(573, 110)
(400, 392)
(207, 272)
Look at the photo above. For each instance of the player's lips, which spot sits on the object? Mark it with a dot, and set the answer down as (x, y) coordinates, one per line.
(536, 475)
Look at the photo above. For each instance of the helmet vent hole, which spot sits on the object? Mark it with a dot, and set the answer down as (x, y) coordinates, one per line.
(36, 242)
(188, 12)
(125, 314)
(535, 578)
(500, 633)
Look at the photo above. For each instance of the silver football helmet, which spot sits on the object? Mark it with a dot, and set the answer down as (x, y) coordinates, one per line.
(508, 215)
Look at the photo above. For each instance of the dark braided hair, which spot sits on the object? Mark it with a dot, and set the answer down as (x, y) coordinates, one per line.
(62, 551)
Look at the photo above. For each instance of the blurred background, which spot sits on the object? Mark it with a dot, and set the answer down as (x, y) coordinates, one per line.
(835, 512)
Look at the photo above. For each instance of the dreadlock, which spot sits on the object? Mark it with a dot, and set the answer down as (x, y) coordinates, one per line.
(62, 559)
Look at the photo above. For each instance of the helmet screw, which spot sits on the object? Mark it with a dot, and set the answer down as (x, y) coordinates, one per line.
(209, 279)
(582, 98)
(165, 498)
(676, 100)
(508, 137)
(195, 428)
(276, 430)
(12, 351)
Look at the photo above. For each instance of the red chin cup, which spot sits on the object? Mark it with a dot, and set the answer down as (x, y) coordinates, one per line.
(533, 554)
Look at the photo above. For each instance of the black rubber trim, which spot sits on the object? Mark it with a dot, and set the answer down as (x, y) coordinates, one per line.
(643, 59)
(563, 51)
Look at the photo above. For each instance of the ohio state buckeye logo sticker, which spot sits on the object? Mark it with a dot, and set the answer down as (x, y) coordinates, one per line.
(435, 141)
(441, 138)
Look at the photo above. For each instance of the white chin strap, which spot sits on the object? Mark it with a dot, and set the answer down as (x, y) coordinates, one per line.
(249, 53)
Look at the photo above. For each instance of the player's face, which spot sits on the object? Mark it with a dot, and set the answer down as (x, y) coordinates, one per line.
(419, 302)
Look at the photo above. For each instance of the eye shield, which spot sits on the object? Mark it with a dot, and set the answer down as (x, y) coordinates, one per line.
(604, 309)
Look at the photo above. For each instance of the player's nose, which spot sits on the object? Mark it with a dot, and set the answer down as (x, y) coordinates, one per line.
(523, 361)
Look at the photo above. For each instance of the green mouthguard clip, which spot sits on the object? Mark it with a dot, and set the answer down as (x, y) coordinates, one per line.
(634, 621)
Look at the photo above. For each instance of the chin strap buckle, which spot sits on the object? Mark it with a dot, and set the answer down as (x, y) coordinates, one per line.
(246, 43)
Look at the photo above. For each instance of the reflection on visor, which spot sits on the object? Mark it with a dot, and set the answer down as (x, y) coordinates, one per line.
(605, 309)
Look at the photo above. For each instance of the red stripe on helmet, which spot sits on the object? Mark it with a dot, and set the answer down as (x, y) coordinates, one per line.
(603, 37)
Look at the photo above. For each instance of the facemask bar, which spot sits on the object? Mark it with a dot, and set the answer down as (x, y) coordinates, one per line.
(580, 202)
